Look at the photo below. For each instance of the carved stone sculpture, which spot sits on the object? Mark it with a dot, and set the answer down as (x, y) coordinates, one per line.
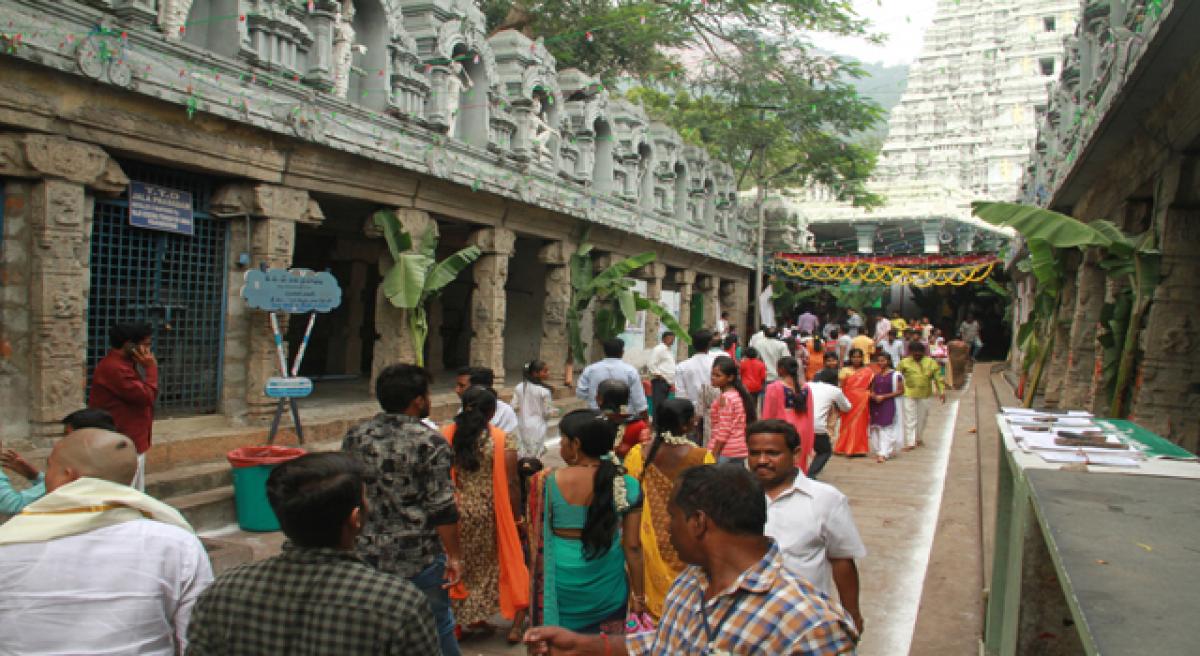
(540, 133)
(343, 50)
(456, 83)
(172, 17)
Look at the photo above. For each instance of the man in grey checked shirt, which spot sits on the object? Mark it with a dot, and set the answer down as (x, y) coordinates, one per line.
(316, 597)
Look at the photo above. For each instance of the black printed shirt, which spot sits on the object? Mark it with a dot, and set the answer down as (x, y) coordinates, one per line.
(408, 488)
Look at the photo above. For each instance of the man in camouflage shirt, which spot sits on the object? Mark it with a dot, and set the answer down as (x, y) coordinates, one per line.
(412, 529)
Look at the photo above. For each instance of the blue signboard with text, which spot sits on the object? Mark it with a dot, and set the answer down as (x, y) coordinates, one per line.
(160, 208)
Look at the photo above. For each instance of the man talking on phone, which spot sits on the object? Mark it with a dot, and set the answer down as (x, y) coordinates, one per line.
(125, 384)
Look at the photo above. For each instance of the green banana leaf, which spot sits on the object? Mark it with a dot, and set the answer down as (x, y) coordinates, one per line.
(628, 305)
(615, 274)
(997, 289)
(443, 273)
(398, 241)
(664, 315)
(1045, 266)
(1057, 230)
(404, 283)
(429, 241)
(575, 336)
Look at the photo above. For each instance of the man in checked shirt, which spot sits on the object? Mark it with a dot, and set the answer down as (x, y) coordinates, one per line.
(736, 598)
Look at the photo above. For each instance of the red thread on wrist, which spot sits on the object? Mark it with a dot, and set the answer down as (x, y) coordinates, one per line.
(607, 647)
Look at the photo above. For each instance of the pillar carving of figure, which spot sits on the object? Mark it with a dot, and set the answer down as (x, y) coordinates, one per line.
(554, 350)
(685, 281)
(489, 303)
(63, 175)
(275, 210)
(172, 17)
(343, 50)
(540, 134)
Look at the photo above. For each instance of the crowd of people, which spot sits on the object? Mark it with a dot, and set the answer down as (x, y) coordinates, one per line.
(687, 517)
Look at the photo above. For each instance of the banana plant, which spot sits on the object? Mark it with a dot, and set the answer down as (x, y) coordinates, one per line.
(617, 302)
(787, 296)
(1133, 261)
(416, 275)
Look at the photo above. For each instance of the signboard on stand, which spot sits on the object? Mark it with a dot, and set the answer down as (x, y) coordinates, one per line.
(292, 291)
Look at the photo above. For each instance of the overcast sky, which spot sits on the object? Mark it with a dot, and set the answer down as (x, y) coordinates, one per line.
(902, 21)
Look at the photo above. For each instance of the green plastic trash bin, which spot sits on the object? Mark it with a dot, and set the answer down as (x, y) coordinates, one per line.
(251, 467)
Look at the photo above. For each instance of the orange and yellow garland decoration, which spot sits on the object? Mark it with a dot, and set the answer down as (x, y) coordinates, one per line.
(918, 271)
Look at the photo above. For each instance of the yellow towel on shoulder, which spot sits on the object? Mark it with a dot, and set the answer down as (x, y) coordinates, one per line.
(84, 505)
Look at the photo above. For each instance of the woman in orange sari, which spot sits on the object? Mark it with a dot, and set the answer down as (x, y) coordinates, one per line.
(816, 357)
(489, 502)
(853, 437)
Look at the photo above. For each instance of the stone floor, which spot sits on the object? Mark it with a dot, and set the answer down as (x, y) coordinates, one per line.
(896, 506)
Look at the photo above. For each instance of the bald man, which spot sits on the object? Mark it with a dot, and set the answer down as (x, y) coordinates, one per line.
(96, 566)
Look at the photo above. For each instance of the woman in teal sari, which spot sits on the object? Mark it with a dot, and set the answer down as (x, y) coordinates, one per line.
(583, 533)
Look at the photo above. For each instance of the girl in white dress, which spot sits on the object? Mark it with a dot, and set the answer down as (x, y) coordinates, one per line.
(533, 405)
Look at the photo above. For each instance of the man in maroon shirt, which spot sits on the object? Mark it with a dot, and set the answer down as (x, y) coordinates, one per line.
(125, 384)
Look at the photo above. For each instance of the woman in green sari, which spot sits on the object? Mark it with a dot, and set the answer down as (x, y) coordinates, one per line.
(583, 533)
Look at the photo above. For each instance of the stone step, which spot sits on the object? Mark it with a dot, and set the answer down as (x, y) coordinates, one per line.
(207, 510)
(201, 485)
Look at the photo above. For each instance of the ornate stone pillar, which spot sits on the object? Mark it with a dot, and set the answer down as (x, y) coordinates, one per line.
(653, 274)
(1081, 346)
(489, 302)
(865, 232)
(685, 280)
(735, 300)
(58, 215)
(1055, 377)
(394, 342)
(275, 211)
(554, 349)
(708, 285)
(932, 232)
(1166, 396)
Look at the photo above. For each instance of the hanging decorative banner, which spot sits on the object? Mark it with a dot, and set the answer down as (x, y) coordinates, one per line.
(918, 271)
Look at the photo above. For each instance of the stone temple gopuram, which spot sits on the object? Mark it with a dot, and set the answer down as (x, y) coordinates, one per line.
(963, 131)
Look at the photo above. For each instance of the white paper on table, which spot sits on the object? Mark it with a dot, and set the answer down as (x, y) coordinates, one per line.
(1105, 459)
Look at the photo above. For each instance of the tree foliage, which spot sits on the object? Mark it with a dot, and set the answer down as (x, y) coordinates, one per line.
(776, 121)
(649, 39)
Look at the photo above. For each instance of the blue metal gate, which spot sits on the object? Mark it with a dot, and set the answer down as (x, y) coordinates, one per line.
(175, 282)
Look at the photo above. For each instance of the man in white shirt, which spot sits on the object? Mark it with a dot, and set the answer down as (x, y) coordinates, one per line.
(854, 322)
(661, 367)
(757, 338)
(505, 418)
(826, 395)
(844, 343)
(770, 350)
(810, 521)
(882, 327)
(612, 367)
(893, 346)
(96, 566)
(693, 377)
(723, 325)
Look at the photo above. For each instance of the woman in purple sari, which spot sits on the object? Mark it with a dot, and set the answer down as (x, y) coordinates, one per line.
(887, 426)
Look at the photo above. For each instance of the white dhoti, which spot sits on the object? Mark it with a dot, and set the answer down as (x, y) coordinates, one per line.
(915, 413)
(886, 440)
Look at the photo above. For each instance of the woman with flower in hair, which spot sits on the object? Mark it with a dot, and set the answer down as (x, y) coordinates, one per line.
(583, 533)
(656, 467)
